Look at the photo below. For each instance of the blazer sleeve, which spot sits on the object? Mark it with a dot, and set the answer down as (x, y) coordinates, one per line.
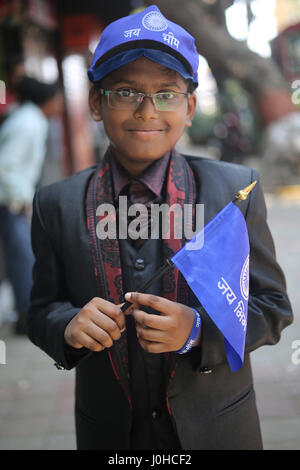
(50, 311)
(269, 308)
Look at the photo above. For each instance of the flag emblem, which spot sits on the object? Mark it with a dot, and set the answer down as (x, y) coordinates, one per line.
(244, 279)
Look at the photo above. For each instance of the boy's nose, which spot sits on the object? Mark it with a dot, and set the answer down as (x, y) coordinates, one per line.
(146, 108)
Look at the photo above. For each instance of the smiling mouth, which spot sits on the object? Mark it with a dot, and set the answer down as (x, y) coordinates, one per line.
(146, 133)
(146, 130)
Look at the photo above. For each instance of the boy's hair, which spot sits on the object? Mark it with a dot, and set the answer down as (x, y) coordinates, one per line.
(191, 87)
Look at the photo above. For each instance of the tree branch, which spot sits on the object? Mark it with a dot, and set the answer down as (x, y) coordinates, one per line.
(258, 75)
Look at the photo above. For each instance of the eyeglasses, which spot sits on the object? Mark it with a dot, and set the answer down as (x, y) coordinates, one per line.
(131, 100)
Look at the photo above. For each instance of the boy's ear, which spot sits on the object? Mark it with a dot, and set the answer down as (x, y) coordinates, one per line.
(94, 104)
(192, 102)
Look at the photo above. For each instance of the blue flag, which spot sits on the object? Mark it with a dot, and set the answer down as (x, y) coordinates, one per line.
(215, 264)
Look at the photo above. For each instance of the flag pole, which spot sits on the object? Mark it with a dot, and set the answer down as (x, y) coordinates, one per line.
(159, 273)
(241, 195)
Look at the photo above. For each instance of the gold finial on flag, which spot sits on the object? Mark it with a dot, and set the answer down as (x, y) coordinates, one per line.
(242, 194)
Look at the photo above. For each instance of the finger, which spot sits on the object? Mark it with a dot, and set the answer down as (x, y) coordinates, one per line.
(161, 304)
(149, 334)
(153, 347)
(111, 310)
(90, 343)
(148, 320)
(102, 321)
(99, 335)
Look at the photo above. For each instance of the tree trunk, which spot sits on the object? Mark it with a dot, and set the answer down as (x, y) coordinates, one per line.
(258, 75)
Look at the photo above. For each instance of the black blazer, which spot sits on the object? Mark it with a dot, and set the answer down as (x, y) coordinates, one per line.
(213, 408)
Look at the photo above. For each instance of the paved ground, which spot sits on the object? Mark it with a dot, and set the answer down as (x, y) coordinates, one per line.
(276, 374)
(36, 400)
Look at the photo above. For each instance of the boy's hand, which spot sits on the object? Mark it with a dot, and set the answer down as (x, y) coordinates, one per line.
(96, 326)
(166, 332)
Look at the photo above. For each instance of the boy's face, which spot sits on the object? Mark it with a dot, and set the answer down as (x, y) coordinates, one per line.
(140, 136)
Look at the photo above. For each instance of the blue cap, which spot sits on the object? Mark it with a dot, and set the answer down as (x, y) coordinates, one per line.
(149, 34)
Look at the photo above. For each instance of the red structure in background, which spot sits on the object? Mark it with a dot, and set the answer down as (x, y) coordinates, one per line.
(60, 29)
(286, 52)
(78, 30)
(76, 33)
(80, 26)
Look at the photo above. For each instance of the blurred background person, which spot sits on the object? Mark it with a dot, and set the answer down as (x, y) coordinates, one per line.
(23, 137)
(15, 70)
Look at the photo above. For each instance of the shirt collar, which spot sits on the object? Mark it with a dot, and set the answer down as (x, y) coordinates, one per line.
(153, 177)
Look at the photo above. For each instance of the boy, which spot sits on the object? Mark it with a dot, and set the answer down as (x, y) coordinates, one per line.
(133, 389)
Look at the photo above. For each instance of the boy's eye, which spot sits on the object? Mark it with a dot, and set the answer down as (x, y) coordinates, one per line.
(125, 93)
(166, 96)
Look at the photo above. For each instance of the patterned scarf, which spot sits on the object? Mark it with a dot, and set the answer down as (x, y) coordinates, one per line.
(180, 189)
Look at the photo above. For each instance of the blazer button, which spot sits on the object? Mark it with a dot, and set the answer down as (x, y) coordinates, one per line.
(155, 414)
(59, 366)
(205, 370)
(139, 264)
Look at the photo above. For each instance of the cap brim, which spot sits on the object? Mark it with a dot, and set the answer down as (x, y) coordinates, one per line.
(152, 50)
